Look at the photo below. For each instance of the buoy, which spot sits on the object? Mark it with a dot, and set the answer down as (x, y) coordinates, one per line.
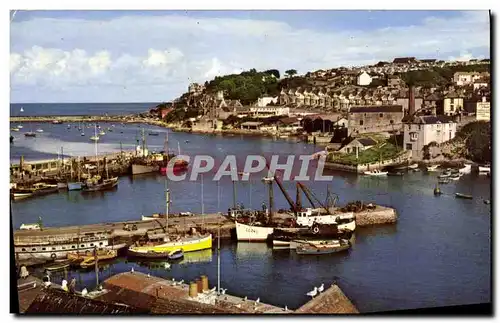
(437, 191)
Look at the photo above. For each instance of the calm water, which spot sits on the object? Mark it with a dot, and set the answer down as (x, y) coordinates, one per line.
(51, 109)
(437, 254)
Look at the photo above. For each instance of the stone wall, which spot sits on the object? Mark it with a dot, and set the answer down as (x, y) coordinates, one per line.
(381, 215)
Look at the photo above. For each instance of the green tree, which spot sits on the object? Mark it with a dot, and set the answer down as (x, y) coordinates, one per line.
(276, 73)
(291, 72)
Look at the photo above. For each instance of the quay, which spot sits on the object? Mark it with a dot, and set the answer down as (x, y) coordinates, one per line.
(180, 225)
(136, 292)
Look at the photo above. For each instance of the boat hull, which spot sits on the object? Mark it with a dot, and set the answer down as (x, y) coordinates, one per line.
(245, 232)
(144, 169)
(201, 243)
(57, 250)
(320, 251)
(483, 169)
(21, 196)
(62, 186)
(75, 186)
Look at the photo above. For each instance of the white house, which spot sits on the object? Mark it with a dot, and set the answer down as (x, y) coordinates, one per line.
(483, 110)
(269, 111)
(363, 78)
(263, 101)
(422, 130)
(358, 144)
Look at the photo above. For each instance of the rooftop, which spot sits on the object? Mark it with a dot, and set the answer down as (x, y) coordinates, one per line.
(429, 119)
(377, 109)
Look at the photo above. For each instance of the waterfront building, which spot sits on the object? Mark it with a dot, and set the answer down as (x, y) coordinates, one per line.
(363, 79)
(366, 119)
(452, 104)
(358, 144)
(420, 131)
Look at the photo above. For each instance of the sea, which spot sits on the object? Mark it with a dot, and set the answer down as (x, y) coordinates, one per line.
(437, 254)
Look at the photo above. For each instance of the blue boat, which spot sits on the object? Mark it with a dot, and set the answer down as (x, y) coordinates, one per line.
(175, 255)
(75, 186)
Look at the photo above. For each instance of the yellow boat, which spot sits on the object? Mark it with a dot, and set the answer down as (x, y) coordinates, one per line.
(90, 260)
(192, 243)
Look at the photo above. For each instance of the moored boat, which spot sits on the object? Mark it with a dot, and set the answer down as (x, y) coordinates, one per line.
(308, 249)
(175, 254)
(16, 196)
(30, 134)
(89, 261)
(75, 186)
(100, 185)
(463, 196)
(31, 226)
(144, 169)
(484, 169)
(191, 243)
(433, 168)
(39, 130)
(62, 185)
(466, 169)
(375, 172)
(413, 166)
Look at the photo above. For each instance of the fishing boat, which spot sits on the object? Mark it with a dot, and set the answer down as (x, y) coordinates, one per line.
(19, 126)
(443, 180)
(90, 261)
(375, 172)
(308, 249)
(445, 174)
(312, 217)
(56, 122)
(455, 177)
(155, 216)
(30, 134)
(291, 237)
(466, 169)
(165, 242)
(99, 184)
(39, 130)
(58, 266)
(432, 168)
(14, 129)
(101, 133)
(463, 196)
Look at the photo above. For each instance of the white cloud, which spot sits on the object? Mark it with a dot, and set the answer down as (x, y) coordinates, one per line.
(162, 54)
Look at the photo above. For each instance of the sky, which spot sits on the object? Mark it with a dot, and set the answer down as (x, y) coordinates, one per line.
(152, 56)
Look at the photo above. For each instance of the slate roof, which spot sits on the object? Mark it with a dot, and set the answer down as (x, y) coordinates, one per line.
(367, 141)
(429, 119)
(57, 301)
(377, 109)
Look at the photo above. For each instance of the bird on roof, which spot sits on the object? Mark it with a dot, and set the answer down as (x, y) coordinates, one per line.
(149, 275)
(257, 301)
(223, 291)
(286, 308)
(181, 282)
(321, 288)
(213, 289)
(132, 270)
(245, 299)
(84, 292)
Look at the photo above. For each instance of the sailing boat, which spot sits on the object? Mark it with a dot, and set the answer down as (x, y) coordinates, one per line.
(74, 186)
(96, 183)
(21, 110)
(30, 133)
(95, 137)
(193, 242)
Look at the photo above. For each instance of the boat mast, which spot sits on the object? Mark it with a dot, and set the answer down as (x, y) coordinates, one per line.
(179, 148)
(218, 256)
(167, 199)
(143, 144)
(202, 204)
(95, 147)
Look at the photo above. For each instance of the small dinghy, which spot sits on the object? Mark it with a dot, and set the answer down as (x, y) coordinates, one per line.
(463, 196)
(308, 249)
(175, 254)
(413, 166)
(432, 168)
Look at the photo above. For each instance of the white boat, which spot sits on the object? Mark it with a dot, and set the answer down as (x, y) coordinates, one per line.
(19, 126)
(413, 166)
(101, 133)
(39, 130)
(245, 232)
(21, 110)
(375, 172)
(344, 221)
(32, 226)
(94, 138)
(82, 134)
(484, 169)
(466, 169)
(432, 168)
(14, 129)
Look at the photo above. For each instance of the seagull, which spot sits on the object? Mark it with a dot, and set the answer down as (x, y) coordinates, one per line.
(223, 291)
(313, 292)
(321, 288)
(84, 292)
(286, 308)
(132, 270)
(149, 275)
(182, 281)
(245, 299)
(213, 289)
(257, 301)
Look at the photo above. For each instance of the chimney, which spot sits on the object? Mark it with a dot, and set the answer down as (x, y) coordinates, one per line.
(484, 99)
(411, 100)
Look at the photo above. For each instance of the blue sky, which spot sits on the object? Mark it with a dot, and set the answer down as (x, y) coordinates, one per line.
(134, 56)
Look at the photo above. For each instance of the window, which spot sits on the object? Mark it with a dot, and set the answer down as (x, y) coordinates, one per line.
(408, 146)
(23, 249)
(72, 247)
(419, 127)
(44, 248)
(391, 121)
(82, 245)
(100, 243)
(63, 248)
(360, 122)
(91, 244)
(381, 115)
(53, 248)
(34, 249)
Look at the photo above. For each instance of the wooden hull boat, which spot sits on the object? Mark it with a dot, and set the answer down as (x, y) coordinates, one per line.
(413, 166)
(432, 168)
(58, 266)
(321, 250)
(193, 243)
(463, 196)
(90, 260)
(21, 196)
(176, 254)
(107, 184)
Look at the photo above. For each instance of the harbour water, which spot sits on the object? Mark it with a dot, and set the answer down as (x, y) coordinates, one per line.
(437, 254)
(64, 109)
